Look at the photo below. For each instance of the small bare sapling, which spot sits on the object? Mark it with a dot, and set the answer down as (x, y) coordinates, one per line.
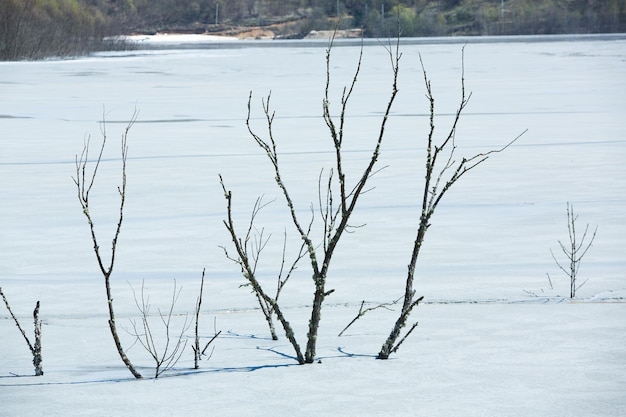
(574, 251)
(167, 347)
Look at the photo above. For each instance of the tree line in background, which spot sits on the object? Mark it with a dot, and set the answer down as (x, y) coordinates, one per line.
(31, 29)
(35, 29)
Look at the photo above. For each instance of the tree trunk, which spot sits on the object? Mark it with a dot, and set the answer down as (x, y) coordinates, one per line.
(316, 316)
(37, 346)
(113, 328)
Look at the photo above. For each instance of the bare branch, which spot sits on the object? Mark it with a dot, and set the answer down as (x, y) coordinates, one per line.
(363, 311)
(397, 346)
(17, 323)
(196, 346)
(211, 341)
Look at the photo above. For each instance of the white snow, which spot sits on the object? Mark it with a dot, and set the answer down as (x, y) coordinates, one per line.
(175, 38)
(493, 338)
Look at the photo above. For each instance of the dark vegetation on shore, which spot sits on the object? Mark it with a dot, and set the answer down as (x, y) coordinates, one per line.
(35, 29)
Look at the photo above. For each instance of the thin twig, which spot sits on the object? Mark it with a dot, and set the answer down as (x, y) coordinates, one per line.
(363, 311)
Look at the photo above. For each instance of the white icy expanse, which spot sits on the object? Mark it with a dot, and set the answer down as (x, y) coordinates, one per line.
(493, 340)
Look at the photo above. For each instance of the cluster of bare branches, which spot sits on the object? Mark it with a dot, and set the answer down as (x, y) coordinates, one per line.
(575, 251)
(443, 169)
(337, 201)
(35, 348)
(165, 350)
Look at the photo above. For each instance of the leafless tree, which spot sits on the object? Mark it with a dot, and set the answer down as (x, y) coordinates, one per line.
(443, 170)
(335, 216)
(84, 184)
(166, 348)
(35, 348)
(575, 251)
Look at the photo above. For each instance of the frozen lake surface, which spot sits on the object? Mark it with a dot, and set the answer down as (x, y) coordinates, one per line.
(489, 242)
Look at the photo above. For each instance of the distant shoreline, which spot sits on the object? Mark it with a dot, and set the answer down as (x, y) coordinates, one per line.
(212, 41)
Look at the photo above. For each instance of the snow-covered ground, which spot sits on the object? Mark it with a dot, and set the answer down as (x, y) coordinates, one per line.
(494, 339)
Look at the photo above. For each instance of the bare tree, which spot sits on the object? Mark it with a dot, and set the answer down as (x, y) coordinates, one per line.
(335, 216)
(84, 184)
(575, 251)
(167, 348)
(35, 348)
(443, 170)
